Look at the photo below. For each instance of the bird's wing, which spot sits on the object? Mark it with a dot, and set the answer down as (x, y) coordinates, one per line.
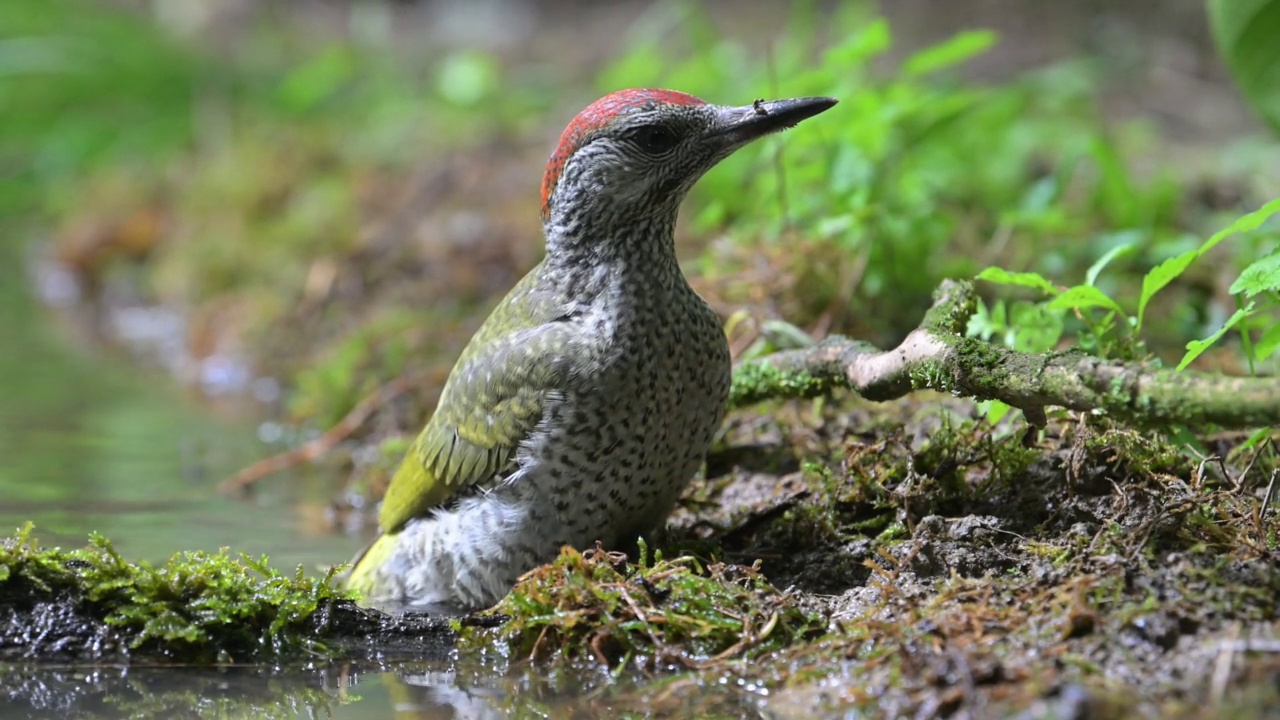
(493, 400)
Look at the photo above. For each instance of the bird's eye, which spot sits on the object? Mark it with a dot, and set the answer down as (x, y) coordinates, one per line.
(655, 139)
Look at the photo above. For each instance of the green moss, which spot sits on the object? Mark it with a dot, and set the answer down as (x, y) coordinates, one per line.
(1136, 452)
(757, 380)
(197, 607)
(875, 526)
(930, 375)
(1056, 555)
(951, 317)
(894, 532)
(956, 452)
(807, 525)
(595, 607)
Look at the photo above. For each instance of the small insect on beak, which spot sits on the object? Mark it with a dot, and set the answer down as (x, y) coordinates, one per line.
(741, 125)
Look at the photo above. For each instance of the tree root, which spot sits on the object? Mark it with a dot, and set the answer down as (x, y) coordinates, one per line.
(938, 356)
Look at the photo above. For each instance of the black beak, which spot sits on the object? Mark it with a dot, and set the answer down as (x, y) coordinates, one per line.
(741, 125)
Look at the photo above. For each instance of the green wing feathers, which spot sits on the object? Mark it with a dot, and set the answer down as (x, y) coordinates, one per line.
(438, 465)
(493, 400)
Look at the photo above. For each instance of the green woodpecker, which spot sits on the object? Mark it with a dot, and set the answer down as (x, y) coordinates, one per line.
(586, 402)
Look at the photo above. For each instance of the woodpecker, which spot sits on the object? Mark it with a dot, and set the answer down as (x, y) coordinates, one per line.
(586, 402)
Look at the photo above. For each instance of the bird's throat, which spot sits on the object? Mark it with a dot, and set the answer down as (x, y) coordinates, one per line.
(621, 244)
(637, 260)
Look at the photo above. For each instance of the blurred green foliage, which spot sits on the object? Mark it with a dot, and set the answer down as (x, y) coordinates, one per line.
(918, 175)
(334, 383)
(84, 85)
(1246, 32)
(271, 158)
(907, 163)
(1112, 331)
(79, 87)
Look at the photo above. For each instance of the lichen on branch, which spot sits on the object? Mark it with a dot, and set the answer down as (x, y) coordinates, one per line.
(937, 356)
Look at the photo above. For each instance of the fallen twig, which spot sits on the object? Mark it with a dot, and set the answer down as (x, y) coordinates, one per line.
(318, 447)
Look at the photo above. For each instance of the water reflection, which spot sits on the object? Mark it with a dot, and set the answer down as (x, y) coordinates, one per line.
(39, 691)
(404, 690)
(91, 443)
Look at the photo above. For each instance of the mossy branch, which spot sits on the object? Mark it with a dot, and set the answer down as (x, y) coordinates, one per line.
(937, 356)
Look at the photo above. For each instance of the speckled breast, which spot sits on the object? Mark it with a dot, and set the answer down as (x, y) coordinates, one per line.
(634, 434)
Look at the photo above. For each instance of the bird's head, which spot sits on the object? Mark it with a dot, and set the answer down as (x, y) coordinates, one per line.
(634, 154)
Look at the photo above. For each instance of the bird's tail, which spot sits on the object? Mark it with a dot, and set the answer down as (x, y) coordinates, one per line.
(363, 574)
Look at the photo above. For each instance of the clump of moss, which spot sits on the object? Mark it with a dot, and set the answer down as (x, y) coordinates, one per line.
(1135, 453)
(967, 458)
(755, 381)
(197, 607)
(595, 606)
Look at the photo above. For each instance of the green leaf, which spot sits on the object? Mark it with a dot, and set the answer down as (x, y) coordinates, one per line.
(1162, 275)
(1246, 32)
(1116, 193)
(1262, 276)
(1081, 297)
(1165, 272)
(859, 47)
(466, 78)
(1033, 327)
(984, 323)
(1096, 269)
(785, 336)
(317, 80)
(994, 410)
(1268, 343)
(1258, 436)
(1244, 223)
(1195, 347)
(1001, 276)
(949, 53)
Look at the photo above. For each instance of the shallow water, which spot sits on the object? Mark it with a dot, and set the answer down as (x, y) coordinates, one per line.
(89, 442)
